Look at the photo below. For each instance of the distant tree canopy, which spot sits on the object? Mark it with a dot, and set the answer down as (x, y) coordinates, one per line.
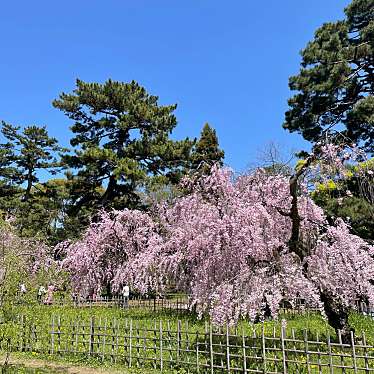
(336, 82)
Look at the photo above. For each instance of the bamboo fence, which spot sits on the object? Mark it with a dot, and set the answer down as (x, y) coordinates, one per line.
(175, 345)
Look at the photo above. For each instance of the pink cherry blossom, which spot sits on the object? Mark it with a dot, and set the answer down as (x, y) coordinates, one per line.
(226, 245)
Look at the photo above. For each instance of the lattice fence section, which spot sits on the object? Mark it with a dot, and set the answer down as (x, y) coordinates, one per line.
(173, 344)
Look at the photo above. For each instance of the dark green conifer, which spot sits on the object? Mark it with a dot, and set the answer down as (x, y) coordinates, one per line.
(206, 151)
(335, 85)
(121, 135)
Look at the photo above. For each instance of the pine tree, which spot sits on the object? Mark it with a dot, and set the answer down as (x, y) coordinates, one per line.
(336, 81)
(7, 186)
(28, 152)
(206, 151)
(121, 135)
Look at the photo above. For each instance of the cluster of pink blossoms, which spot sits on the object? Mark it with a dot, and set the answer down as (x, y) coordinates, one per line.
(226, 245)
(22, 258)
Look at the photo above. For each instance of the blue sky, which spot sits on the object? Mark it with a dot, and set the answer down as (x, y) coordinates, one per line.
(226, 63)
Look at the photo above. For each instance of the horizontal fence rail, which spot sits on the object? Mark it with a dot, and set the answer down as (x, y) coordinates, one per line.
(173, 344)
(180, 302)
(176, 303)
(170, 302)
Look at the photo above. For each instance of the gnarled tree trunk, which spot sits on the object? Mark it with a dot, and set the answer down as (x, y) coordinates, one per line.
(336, 313)
(337, 316)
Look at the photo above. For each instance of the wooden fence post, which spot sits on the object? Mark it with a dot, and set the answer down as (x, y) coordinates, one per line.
(92, 337)
(22, 333)
(354, 352)
(211, 348)
(178, 340)
(59, 333)
(187, 341)
(197, 352)
(161, 358)
(244, 352)
(283, 350)
(103, 353)
(53, 335)
(306, 346)
(227, 348)
(330, 353)
(263, 347)
(365, 353)
(130, 343)
(76, 324)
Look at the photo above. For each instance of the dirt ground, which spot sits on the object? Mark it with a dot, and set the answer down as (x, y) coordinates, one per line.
(56, 366)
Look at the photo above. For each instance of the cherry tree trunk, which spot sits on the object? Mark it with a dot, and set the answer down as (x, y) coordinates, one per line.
(336, 313)
(337, 316)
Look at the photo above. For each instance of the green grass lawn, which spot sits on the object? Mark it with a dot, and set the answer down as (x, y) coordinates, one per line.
(314, 323)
